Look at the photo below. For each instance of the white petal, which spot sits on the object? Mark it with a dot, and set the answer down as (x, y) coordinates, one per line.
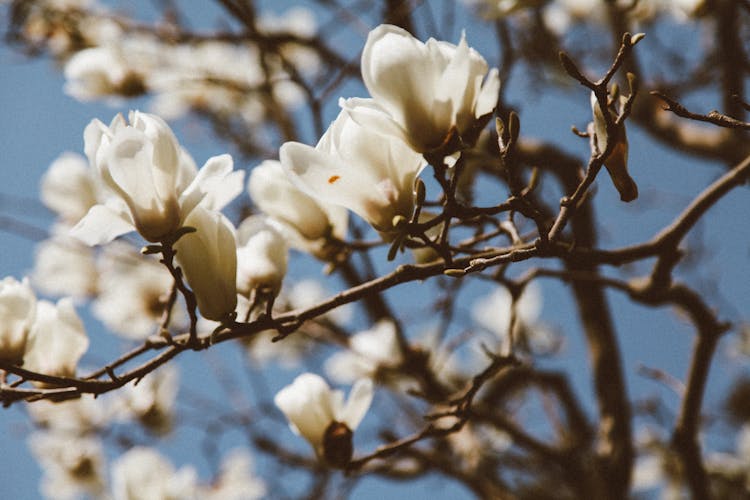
(368, 114)
(275, 194)
(57, 339)
(307, 405)
(326, 176)
(487, 98)
(101, 225)
(209, 259)
(214, 186)
(358, 403)
(261, 256)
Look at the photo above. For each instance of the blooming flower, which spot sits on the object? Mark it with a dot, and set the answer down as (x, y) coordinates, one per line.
(421, 91)
(73, 465)
(64, 266)
(307, 218)
(133, 292)
(152, 179)
(152, 400)
(261, 257)
(493, 313)
(143, 474)
(212, 76)
(320, 415)
(369, 350)
(57, 339)
(111, 70)
(354, 167)
(208, 258)
(17, 312)
(69, 187)
(236, 480)
(617, 161)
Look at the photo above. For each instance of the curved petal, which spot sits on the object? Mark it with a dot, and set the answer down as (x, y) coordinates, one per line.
(101, 225)
(307, 405)
(487, 98)
(370, 115)
(331, 179)
(275, 194)
(395, 66)
(214, 186)
(261, 256)
(57, 339)
(358, 403)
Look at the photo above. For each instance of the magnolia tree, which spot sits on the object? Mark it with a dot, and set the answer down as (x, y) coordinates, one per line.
(397, 245)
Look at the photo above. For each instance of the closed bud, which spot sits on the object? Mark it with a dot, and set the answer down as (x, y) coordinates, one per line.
(337, 445)
(208, 258)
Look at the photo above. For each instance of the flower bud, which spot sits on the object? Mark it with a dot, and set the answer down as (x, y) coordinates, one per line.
(208, 258)
(17, 312)
(617, 161)
(261, 256)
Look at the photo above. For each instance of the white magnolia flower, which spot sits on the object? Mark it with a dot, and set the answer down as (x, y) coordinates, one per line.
(421, 91)
(143, 474)
(369, 350)
(261, 257)
(69, 187)
(151, 401)
(211, 76)
(133, 292)
(208, 258)
(64, 266)
(236, 480)
(307, 218)
(617, 161)
(57, 339)
(106, 71)
(493, 313)
(152, 179)
(73, 465)
(352, 166)
(474, 441)
(224, 78)
(299, 21)
(17, 312)
(320, 415)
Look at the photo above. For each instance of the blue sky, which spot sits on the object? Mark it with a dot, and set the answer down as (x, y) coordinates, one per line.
(40, 122)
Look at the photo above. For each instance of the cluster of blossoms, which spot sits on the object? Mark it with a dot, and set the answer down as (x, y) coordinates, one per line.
(423, 94)
(69, 448)
(107, 57)
(366, 162)
(560, 15)
(429, 100)
(44, 337)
